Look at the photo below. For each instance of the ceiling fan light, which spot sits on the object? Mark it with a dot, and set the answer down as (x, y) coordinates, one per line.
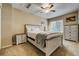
(46, 11)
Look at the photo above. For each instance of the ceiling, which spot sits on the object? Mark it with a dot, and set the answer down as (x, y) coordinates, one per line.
(60, 9)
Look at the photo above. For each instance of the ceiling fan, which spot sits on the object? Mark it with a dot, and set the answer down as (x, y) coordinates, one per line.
(28, 5)
(47, 7)
(44, 8)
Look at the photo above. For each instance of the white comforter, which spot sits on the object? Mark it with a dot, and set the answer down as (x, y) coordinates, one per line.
(49, 34)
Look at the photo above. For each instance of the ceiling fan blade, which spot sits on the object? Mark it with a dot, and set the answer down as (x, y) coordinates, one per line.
(42, 8)
(51, 6)
(52, 10)
(41, 12)
(28, 6)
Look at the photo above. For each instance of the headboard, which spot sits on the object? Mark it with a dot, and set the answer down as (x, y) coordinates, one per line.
(32, 27)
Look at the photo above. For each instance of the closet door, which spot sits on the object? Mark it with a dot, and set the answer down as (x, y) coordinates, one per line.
(67, 32)
(74, 32)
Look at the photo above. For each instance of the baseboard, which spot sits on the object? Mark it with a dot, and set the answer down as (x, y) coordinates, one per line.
(6, 46)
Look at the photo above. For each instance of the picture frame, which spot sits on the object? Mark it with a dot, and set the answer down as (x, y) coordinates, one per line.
(71, 19)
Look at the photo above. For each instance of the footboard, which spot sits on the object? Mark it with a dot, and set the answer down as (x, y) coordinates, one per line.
(53, 44)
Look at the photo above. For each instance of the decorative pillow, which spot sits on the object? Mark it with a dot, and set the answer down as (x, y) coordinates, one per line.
(33, 28)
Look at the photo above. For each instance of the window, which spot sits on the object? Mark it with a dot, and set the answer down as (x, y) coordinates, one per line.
(56, 26)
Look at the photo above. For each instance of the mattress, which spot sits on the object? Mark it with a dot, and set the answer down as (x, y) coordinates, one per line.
(49, 34)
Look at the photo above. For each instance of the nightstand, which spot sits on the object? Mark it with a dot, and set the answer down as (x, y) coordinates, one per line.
(20, 38)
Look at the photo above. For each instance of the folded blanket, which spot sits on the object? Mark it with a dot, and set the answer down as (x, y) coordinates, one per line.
(40, 39)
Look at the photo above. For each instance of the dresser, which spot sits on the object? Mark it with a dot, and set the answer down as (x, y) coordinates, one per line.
(71, 32)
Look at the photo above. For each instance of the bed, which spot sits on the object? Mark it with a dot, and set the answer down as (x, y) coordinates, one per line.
(50, 41)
